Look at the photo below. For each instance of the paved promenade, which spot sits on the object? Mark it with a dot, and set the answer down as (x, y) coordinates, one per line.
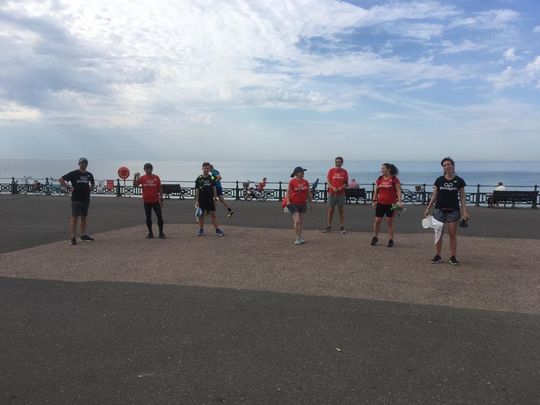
(250, 318)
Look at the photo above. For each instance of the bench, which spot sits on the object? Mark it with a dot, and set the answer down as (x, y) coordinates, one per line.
(355, 194)
(513, 197)
(172, 189)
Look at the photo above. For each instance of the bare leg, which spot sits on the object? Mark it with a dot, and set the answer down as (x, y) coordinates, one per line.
(377, 226)
(73, 227)
(295, 219)
(300, 224)
(330, 216)
(390, 223)
(214, 219)
(452, 232)
(341, 211)
(83, 225)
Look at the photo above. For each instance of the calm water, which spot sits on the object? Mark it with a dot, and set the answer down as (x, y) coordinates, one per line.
(484, 173)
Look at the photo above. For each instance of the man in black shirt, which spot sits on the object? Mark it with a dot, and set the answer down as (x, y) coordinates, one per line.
(205, 196)
(82, 181)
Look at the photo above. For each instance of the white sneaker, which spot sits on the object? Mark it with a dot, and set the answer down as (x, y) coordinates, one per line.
(297, 242)
(302, 241)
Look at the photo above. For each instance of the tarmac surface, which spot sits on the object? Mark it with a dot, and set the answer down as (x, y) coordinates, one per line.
(251, 318)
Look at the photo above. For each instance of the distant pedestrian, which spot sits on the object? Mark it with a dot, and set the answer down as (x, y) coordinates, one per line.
(500, 187)
(152, 194)
(448, 192)
(386, 198)
(82, 182)
(219, 190)
(298, 194)
(205, 197)
(353, 183)
(337, 180)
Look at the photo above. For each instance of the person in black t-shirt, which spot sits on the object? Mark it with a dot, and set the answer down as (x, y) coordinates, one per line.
(448, 192)
(205, 197)
(82, 181)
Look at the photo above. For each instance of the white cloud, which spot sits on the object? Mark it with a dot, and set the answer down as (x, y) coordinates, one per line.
(511, 77)
(448, 47)
(510, 55)
(488, 20)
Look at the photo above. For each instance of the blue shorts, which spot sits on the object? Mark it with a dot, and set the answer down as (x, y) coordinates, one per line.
(219, 190)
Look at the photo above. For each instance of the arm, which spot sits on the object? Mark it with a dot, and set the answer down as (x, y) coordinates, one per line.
(160, 193)
(399, 193)
(431, 201)
(462, 197)
(64, 184)
(136, 179)
(196, 196)
(375, 196)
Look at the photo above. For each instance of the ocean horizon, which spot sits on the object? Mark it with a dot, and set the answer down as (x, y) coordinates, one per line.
(484, 173)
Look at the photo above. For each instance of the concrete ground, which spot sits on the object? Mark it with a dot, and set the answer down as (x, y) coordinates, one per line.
(251, 318)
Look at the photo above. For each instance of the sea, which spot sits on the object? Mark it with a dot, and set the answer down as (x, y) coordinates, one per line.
(522, 175)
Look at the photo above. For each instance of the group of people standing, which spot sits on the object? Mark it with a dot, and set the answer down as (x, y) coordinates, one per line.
(448, 200)
(448, 194)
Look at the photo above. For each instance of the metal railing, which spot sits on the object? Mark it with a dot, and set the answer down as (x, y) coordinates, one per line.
(417, 194)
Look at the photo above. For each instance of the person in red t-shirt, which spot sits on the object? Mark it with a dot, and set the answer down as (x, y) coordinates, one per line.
(387, 193)
(298, 194)
(337, 180)
(152, 194)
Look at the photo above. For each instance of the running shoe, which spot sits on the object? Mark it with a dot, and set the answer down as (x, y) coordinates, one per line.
(219, 232)
(150, 235)
(454, 261)
(436, 260)
(327, 230)
(201, 232)
(297, 242)
(162, 236)
(72, 241)
(302, 241)
(342, 230)
(86, 238)
(374, 241)
(390, 243)
(230, 213)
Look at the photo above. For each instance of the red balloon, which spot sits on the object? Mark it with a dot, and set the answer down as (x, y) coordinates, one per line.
(123, 172)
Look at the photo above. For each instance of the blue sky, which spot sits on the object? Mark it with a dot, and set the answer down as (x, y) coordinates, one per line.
(223, 80)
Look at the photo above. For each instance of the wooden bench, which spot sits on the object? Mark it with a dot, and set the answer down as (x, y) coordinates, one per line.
(355, 194)
(172, 189)
(513, 197)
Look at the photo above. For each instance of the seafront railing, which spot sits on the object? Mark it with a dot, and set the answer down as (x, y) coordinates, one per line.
(417, 194)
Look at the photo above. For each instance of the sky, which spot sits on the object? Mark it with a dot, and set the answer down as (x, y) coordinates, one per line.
(270, 80)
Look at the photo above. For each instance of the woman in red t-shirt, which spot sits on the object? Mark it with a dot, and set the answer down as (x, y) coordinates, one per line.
(298, 194)
(387, 193)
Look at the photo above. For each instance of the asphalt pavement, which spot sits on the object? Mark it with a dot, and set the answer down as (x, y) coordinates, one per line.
(118, 342)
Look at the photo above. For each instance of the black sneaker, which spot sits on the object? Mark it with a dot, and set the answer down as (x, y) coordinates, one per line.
(342, 230)
(436, 260)
(86, 238)
(219, 232)
(150, 235)
(453, 261)
(230, 213)
(72, 241)
(374, 241)
(162, 236)
(327, 230)
(390, 243)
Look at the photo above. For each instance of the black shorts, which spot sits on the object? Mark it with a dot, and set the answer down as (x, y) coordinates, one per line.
(301, 208)
(79, 208)
(207, 205)
(384, 209)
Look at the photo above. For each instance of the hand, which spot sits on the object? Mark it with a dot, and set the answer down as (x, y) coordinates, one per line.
(374, 204)
(426, 212)
(161, 202)
(465, 216)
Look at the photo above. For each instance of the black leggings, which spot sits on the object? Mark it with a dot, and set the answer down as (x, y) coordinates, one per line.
(148, 211)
